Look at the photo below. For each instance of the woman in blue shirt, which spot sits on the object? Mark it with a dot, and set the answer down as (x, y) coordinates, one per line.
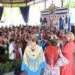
(33, 60)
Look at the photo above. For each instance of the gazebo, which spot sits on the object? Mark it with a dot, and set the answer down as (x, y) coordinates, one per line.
(24, 6)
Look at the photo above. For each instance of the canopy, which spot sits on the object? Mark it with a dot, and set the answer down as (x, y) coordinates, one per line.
(19, 2)
(15, 1)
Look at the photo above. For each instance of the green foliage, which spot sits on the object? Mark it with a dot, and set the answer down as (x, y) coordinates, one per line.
(6, 67)
(70, 4)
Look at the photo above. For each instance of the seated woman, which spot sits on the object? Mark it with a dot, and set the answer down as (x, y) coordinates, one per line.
(54, 58)
(33, 59)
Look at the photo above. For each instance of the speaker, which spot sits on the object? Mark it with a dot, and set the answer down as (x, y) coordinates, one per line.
(73, 29)
(2, 50)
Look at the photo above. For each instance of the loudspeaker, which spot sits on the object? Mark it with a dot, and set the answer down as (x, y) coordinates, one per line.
(73, 29)
(2, 50)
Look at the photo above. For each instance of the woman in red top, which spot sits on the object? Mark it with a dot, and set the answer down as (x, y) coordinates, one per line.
(52, 53)
(54, 58)
(2, 40)
(68, 51)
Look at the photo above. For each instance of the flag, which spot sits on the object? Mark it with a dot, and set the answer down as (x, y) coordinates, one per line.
(60, 23)
(68, 22)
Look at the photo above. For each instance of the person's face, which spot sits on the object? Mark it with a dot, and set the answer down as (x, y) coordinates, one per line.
(67, 38)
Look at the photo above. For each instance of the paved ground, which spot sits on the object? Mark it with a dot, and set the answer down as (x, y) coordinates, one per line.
(11, 73)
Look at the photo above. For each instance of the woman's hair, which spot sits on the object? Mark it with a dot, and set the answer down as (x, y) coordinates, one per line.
(70, 35)
(33, 37)
(53, 40)
(11, 40)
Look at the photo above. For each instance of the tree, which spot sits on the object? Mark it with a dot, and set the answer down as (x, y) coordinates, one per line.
(70, 4)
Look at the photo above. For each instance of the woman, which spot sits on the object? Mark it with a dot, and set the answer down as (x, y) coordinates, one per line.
(18, 50)
(33, 60)
(12, 54)
(17, 62)
(2, 42)
(68, 51)
(42, 43)
(54, 58)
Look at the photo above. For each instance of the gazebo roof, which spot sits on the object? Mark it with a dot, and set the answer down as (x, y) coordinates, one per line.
(15, 1)
(19, 2)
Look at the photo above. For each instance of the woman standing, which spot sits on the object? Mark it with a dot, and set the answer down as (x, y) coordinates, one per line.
(33, 60)
(54, 58)
(2, 42)
(68, 51)
(12, 54)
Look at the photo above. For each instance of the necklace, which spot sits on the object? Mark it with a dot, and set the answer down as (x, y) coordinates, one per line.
(33, 48)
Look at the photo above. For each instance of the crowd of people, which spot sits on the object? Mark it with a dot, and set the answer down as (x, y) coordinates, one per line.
(42, 50)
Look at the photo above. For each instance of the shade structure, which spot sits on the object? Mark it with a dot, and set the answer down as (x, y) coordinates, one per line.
(19, 3)
(1, 12)
(25, 13)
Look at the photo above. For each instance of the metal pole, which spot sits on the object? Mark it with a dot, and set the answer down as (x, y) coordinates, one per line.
(45, 3)
(11, 2)
(11, 11)
(62, 2)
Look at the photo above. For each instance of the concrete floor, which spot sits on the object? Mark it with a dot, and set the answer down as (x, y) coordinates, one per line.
(11, 73)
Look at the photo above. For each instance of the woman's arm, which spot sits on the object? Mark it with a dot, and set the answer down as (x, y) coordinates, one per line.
(24, 73)
(42, 71)
(62, 60)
